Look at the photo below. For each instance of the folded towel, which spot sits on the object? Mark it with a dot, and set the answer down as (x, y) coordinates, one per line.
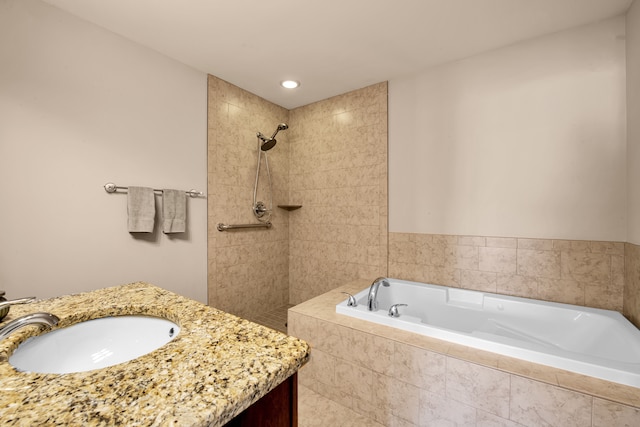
(174, 211)
(141, 206)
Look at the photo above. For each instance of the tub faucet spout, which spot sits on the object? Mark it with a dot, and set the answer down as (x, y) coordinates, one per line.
(46, 319)
(372, 302)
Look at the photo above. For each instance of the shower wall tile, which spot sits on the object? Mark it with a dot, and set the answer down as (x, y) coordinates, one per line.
(479, 280)
(462, 257)
(632, 283)
(560, 290)
(539, 263)
(516, 285)
(593, 274)
(586, 267)
(248, 269)
(602, 296)
(338, 173)
(535, 244)
(497, 259)
(502, 242)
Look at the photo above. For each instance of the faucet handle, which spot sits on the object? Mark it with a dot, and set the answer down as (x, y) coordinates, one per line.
(393, 310)
(351, 302)
(4, 304)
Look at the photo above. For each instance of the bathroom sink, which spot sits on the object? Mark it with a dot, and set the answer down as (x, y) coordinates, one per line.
(93, 344)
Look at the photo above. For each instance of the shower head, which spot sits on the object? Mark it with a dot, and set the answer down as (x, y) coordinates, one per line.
(269, 143)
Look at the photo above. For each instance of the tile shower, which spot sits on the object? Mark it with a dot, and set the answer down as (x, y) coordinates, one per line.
(332, 161)
(248, 270)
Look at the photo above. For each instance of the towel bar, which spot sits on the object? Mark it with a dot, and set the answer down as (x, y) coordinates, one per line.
(110, 187)
(225, 227)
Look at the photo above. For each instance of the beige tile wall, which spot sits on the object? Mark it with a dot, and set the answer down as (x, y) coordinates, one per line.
(578, 272)
(401, 379)
(631, 307)
(248, 270)
(332, 161)
(338, 173)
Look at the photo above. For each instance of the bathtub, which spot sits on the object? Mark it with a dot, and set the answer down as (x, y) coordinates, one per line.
(588, 341)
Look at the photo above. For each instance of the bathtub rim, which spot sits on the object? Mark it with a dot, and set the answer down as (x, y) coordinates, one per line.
(621, 372)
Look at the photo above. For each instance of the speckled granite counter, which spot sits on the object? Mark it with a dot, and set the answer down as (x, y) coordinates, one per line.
(215, 368)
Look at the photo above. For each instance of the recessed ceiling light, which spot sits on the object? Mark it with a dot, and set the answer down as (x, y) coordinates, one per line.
(290, 84)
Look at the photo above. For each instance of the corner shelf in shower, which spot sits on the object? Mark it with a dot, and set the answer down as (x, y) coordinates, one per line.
(289, 207)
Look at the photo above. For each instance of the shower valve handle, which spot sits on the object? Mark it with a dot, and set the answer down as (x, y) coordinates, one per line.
(260, 209)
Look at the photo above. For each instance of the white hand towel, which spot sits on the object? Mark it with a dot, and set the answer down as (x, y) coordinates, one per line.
(174, 211)
(141, 206)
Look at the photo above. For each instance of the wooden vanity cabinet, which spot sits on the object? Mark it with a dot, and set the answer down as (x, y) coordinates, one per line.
(278, 408)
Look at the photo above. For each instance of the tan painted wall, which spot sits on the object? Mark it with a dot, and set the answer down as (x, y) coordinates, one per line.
(633, 123)
(79, 107)
(523, 141)
(632, 282)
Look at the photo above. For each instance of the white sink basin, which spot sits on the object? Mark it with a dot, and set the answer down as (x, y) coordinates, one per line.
(93, 344)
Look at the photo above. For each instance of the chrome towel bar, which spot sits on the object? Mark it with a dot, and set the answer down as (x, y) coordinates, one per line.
(110, 187)
(225, 227)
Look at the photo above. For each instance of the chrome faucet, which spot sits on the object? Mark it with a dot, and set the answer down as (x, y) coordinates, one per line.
(46, 319)
(372, 302)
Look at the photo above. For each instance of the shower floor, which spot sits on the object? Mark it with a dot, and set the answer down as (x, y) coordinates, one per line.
(274, 319)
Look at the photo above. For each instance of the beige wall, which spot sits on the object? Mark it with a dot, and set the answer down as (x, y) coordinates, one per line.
(339, 175)
(523, 141)
(248, 269)
(633, 123)
(79, 107)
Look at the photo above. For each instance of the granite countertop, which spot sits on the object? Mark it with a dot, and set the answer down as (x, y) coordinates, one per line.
(216, 367)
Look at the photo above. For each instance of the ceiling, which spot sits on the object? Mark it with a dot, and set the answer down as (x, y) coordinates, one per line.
(330, 46)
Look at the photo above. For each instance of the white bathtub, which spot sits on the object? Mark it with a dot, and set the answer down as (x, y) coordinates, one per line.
(589, 341)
